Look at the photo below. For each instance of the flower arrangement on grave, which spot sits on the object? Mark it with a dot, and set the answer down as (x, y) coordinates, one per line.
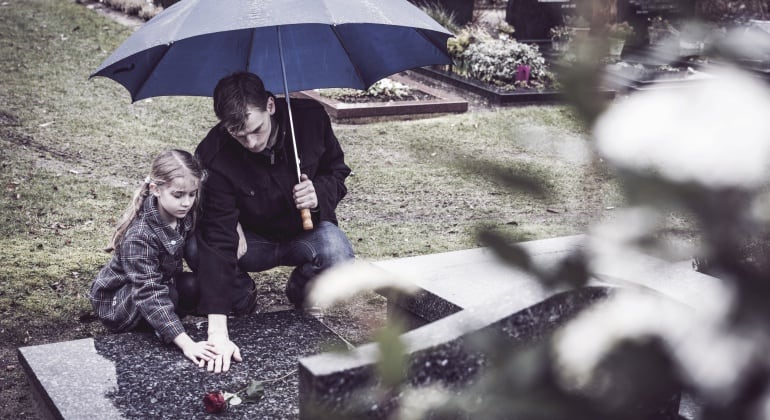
(560, 33)
(507, 64)
(617, 33)
(457, 45)
(577, 25)
(560, 38)
(385, 89)
(659, 28)
(619, 30)
(505, 30)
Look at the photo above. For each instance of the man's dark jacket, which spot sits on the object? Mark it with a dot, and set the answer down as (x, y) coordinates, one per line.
(255, 189)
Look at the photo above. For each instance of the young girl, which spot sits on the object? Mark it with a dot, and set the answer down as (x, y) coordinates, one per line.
(144, 283)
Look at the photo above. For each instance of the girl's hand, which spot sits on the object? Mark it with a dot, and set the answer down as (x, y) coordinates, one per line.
(242, 246)
(199, 352)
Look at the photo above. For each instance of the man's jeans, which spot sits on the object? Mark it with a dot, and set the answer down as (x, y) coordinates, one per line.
(311, 252)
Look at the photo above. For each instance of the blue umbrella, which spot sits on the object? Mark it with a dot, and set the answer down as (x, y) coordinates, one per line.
(188, 47)
(291, 44)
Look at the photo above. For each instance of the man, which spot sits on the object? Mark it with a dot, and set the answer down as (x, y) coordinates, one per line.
(252, 184)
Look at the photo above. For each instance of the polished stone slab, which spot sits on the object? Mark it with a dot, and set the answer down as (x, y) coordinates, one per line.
(135, 376)
(334, 385)
(451, 281)
(466, 292)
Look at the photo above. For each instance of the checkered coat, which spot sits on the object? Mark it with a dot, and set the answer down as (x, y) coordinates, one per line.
(135, 284)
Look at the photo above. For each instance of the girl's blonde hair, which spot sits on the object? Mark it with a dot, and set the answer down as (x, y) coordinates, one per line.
(167, 166)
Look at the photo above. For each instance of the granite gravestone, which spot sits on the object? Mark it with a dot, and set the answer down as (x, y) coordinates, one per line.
(134, 376)
(533, 19)
(464, 293)
(638, 13)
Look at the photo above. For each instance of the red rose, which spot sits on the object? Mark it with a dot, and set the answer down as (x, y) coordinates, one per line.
(214, 402)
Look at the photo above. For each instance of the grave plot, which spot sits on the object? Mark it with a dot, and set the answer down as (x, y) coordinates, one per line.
(637, 76)
(462, 294)
(467, 293)
(424, 101)
(491, 93)
(134, 376)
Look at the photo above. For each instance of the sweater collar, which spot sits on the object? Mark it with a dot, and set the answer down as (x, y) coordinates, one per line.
(172, 239)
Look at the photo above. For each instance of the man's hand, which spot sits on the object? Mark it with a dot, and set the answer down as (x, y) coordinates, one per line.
(226, 350)
(304, 194)
(242, 245)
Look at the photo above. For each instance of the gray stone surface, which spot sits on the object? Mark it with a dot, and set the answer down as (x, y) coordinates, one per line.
(451, 281)
(334, 384)
(135, 376)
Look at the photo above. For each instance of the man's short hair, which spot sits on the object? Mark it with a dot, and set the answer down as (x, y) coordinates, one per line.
(234, 93)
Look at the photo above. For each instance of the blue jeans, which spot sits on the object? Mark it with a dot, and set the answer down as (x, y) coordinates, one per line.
(311, 252)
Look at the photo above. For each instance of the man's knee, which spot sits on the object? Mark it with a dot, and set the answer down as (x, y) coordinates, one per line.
(191, 252)
(336, 247)
(188, 292)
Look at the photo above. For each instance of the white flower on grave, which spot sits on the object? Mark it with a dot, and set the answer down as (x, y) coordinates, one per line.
(714, 132)
(346, 280)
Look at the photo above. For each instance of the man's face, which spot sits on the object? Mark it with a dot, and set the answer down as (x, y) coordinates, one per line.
(255, 134)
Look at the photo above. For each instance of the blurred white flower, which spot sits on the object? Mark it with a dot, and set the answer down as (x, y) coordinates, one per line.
(416, 403)
(714, 357)
(714, 132)
(344, 281)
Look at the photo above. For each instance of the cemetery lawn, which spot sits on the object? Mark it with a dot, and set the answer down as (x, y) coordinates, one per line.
(72, 151)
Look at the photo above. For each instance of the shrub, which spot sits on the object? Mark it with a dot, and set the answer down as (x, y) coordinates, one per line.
(496, 62)
(441, 15)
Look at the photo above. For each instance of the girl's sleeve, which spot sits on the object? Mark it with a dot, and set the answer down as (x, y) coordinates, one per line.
(140, 258)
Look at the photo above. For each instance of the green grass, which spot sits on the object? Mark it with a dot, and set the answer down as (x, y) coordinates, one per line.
(73, 150)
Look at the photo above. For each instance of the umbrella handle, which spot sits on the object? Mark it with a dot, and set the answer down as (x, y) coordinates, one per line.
(307, 221)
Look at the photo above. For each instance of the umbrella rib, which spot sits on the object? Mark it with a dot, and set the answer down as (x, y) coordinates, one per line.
(441, 48)
(347, 52)
(251, 44)
(154, 66)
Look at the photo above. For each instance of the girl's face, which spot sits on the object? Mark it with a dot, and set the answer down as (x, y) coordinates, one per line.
(176, 198)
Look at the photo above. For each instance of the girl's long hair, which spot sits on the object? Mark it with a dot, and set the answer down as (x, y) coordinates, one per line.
(167, 166)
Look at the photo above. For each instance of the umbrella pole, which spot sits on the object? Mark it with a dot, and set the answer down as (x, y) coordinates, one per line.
(307, 221)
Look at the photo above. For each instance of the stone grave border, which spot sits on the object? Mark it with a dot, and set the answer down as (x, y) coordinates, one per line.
(351, 112)
(497, 96)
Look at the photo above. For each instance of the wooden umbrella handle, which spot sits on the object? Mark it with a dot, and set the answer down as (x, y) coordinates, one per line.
(307, 221)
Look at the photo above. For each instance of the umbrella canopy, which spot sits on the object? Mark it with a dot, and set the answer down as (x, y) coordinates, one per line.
(189, 47)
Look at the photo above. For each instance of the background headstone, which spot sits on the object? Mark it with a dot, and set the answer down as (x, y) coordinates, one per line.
(533, 19)
(638, 12)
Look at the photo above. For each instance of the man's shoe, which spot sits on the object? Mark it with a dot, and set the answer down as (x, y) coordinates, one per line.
(316, 312)
(295, 292)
